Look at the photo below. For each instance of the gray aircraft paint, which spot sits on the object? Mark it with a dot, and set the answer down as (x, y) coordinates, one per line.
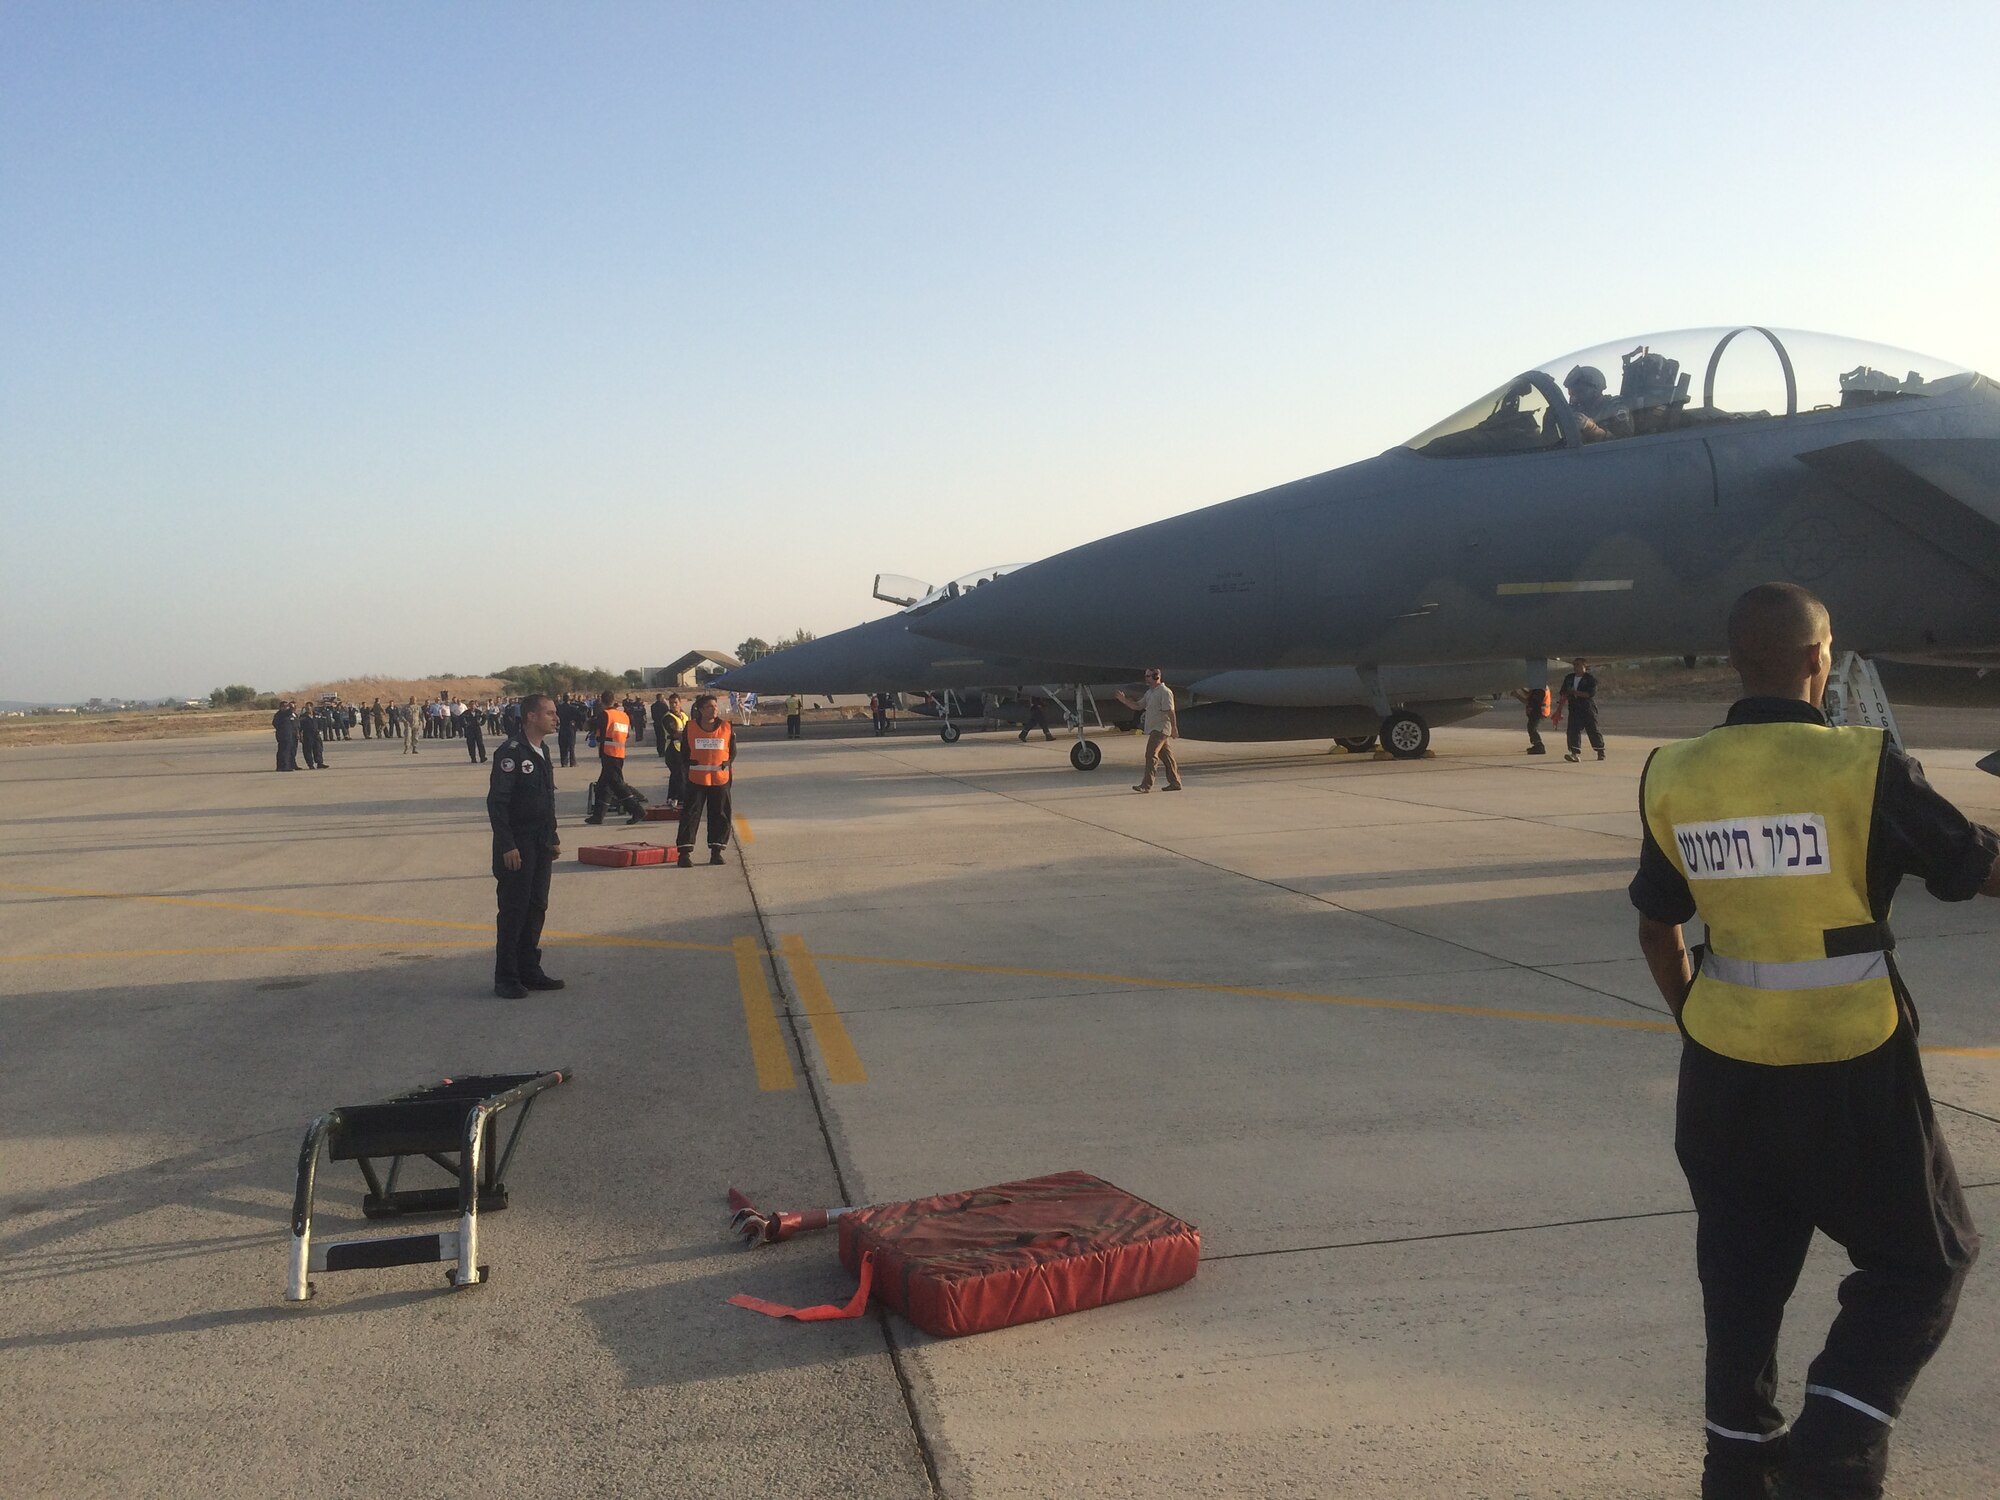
(886, 656)
(1637, 546)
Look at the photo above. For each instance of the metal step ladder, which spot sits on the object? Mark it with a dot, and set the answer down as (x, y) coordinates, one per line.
(1854, 695)
(451, 1123)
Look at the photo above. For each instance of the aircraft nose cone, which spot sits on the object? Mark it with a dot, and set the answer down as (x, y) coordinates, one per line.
(1192, 590)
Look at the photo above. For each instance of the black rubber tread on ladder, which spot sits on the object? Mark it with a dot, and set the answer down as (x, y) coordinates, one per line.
(453, 1123)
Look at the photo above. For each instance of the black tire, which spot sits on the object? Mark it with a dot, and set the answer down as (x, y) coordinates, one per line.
(949, 734)
(1085, 756)
(1360, 744)
(1405, 736)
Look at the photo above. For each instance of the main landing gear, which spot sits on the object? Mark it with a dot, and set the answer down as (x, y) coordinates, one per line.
(1405, 736)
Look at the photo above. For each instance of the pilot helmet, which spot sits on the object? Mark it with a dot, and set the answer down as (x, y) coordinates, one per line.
(1584, 378)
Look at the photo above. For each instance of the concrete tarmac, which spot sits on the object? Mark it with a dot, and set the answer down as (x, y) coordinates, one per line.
(1378, 1028)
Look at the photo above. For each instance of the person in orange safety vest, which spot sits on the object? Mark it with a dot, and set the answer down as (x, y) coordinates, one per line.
(709, 743)
(614, 728)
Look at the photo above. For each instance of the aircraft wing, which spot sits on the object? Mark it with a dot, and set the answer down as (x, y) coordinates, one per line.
(1945, 490)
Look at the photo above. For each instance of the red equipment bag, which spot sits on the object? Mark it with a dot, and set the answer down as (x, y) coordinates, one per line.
(623, 856)
(970, 1262)
(664, 812)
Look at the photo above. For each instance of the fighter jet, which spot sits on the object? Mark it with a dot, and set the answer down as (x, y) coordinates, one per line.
(888, 656)
(1613, 501)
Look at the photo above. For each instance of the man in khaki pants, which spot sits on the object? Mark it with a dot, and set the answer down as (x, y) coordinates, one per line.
(411, 715)
(1161, 723)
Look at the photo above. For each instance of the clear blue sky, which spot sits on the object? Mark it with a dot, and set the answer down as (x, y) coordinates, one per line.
(404, 337)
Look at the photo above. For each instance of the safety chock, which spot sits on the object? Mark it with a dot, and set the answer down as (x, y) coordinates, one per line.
(451, 1123)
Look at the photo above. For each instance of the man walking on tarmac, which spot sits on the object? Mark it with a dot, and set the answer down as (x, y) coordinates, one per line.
(475, 735)
(614, 730)
(1579, 699)
(1802, 1098)
(711, 752)
(521, 806)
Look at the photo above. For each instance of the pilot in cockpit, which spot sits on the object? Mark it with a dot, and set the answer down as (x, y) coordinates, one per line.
(1597, 416)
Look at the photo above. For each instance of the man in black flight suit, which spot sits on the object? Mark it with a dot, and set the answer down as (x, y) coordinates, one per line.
(521, 806)
(475, 737)
(1802, 1102)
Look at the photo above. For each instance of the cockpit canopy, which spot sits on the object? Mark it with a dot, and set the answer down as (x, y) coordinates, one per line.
(959, 586)
(1670, 382)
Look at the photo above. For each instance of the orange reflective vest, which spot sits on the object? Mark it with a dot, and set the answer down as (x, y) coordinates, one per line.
(617, 729)
(709, 752)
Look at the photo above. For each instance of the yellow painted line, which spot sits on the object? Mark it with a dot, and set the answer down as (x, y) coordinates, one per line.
(743, 834)
(811, 989)
(760, 1016)
(1422, 1007)
(269, 911)
(601, 939)
(836, 1047)
(23, 958)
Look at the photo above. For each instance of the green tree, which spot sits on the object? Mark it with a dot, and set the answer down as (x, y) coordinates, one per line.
(233, 696)
(556, 677)
(633, 677)
(753, 648)
(797, 638)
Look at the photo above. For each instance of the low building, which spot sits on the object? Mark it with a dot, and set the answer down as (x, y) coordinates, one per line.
(691, 670)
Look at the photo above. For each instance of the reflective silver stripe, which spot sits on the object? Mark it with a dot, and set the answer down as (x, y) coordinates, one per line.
(1806, 974)
(1846, 1400)
(1747, 1437)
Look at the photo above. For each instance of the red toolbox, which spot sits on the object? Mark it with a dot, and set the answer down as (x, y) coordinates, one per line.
(665, 812)
(623, 856)
(970, 1262)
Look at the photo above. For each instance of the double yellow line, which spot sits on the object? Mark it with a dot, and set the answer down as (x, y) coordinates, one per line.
(760, 1016)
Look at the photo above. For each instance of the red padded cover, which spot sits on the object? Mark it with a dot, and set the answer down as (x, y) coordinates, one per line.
(663, 812)
(624, 854)
(970, 1262)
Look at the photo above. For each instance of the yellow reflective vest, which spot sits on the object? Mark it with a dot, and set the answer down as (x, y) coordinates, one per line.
(1770, 823)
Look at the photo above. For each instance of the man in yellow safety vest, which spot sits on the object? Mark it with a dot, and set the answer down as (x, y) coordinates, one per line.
(1802, 1098)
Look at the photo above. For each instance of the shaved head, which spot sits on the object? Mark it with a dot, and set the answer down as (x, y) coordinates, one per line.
(1773, 630)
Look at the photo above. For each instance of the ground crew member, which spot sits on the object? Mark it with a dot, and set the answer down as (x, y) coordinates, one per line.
(1579, 696)
(711, 752)
(1036, 720)
(475, 736)
(521, 806)
(656, 712)
(677, 723)
(1161, 722)
(1802, 1097)
(410, 727)
(614, 729)
(311, 740)
(794, 706)
(1536, 700)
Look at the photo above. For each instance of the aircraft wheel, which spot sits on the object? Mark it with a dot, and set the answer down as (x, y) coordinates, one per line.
(949, 734)
(1405, 736)
(1357, 743)
(1085, 756)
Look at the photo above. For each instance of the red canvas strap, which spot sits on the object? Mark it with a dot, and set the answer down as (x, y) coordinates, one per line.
(826, 1312)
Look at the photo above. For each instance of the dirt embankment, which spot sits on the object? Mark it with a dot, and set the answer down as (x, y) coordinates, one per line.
(143, 724)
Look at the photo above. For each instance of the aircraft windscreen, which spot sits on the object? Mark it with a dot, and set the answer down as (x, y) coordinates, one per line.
(959, 586)
(1693, 378)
